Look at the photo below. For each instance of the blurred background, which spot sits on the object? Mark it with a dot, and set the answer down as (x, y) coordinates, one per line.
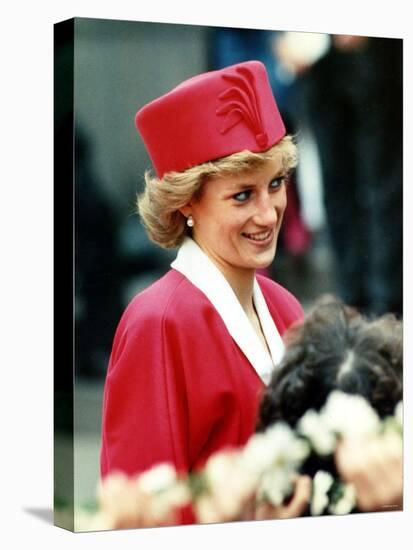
(341, 96)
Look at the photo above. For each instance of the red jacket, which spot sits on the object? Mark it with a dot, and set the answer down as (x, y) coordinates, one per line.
(178, 387)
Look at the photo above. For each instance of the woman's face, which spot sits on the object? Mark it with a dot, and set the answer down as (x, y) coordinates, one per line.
(238, 217)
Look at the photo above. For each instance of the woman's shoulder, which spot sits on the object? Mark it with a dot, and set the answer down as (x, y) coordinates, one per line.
(144, 320)
(172, 297)
(281, 299)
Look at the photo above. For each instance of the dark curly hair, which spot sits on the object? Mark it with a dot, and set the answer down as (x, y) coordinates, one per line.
(335, 349)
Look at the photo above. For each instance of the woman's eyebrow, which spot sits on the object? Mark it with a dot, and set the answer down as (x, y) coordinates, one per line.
(247, 185)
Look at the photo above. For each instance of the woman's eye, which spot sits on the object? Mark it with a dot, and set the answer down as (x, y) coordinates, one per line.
(242, 196)
(277, 182)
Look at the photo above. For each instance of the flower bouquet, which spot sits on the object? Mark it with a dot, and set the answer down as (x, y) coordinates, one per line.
(234, 482)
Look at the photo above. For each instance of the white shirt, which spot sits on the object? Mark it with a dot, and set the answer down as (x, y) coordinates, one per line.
(198, 268)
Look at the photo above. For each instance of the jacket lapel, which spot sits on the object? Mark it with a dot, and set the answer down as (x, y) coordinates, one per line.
(196, 266)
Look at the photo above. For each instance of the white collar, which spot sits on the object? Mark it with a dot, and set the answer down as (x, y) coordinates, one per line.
(197, 267)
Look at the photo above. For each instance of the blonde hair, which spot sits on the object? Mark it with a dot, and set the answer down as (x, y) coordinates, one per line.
(159, 205)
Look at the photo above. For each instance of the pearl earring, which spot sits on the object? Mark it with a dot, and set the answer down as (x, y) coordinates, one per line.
(190, 221)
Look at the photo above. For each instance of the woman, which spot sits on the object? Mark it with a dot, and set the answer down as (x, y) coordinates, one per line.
(192, 352)
(338, 349)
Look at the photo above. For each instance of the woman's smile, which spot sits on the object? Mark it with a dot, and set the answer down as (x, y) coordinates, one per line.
(262, 238)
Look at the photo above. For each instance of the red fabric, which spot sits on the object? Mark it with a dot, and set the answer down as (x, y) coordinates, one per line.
(210, 116)
(297, 237)
(178, 388)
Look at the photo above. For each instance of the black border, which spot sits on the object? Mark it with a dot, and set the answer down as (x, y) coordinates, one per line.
(63, 202)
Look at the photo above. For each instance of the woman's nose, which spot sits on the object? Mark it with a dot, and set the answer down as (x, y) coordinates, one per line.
(266, 211)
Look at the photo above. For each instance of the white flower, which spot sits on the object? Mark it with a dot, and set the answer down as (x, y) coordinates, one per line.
(219, 465)
(275, 485)
(258, 454)
(265, 465)
(277, 446)
(165, 490)
(350, 415)
(312, 426)
(158, 478)
(273, 457)
(291, 450)
(346, 503)
(229, 486)
(121, 501)
(207, 510)
(322, 483)
(148, 499)
(163, 505)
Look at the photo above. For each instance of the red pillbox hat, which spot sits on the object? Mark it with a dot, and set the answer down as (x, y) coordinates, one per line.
(209, 116)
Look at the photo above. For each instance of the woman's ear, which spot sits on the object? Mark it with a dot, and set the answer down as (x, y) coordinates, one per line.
(186, 210)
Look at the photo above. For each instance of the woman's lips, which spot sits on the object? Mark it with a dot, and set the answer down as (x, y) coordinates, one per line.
(261, 238)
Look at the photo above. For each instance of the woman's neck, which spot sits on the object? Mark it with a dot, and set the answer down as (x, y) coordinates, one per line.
(241, 280)
(242, 283)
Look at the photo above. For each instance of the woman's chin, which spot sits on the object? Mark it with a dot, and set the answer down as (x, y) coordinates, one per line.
(261, 254)
(263, 260)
